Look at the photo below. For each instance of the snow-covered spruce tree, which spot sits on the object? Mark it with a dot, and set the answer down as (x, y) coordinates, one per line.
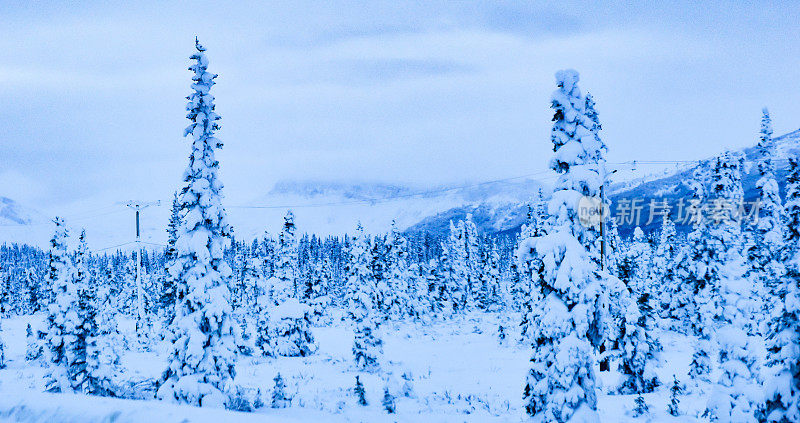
(388, 402)
(379, 265)
(767, 238)
(398, 275)
(666, 250)
(289, 326)
(263, 336)
(367, 345)
(2, 350)
(316, 288)
(94, 366)
(34, 347)
(471, 258)
(449, 293)
(639, 349)
(434, 285)
(698, 267)
(361, 394)
(284, 283)
(493, 300)
(420, 296)
(103, 354)
(634, 270)
(201, 365)
(291, 329)
(279, 397)
(783, 339)
(167, 296)
(735, 395)
(675, 391)
(561, 384)
(61, 342)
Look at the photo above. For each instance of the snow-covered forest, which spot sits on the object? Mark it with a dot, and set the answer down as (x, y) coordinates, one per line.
(562, 321)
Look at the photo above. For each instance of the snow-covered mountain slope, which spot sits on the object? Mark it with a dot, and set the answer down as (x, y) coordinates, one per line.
(335, 208)
(642, 185)
(324, 207)
(12, 213)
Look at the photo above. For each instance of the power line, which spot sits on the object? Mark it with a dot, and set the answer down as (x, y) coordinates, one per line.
(113, 246)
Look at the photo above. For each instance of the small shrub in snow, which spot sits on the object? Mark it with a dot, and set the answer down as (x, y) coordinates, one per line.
(279, 397)
(641, 408)
(34, 344)
(408, 385)
(2, 352)
(388, 401)
(675, 391)
(361, 394)
(501, 333)
(239, 400)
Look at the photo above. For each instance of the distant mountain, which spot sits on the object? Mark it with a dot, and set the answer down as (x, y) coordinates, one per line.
(326, 208)
(337, 207)
(13, 213)
(667, 185)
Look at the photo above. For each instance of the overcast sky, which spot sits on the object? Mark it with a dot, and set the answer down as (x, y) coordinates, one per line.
(92, 96)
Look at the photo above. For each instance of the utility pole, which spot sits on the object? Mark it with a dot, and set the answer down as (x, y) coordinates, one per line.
(137, 206)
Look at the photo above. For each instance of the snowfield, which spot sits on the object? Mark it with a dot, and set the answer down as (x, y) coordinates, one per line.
(459, 371)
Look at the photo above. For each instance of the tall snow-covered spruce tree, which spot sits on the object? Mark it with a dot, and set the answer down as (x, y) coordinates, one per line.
(201, 365)
(783, 339)
(763, 251)
(561, 382)
(61, 343)
(361, 304)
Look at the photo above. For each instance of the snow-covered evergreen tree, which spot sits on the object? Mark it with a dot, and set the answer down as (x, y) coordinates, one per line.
(291, 329)
(201, 365)
(536, 227)
(361, 304)
(639, 348)
(2, 350)
(61, 343)
(361, 394)
(734, 397)
(398, 275)
(783, 339)
(561, 384)
(675, 391)
(279, 397)
(388, 401)
(636, 262)
(168, 297)
(763, 251)
(661, 273)
(284, 285)
(92, 367)
(263, 339)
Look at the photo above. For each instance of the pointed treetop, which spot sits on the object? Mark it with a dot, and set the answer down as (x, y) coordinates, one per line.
(197, 45)
(567, 79)
(766, 127)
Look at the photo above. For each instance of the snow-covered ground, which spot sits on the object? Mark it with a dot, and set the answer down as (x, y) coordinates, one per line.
(458, 371)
